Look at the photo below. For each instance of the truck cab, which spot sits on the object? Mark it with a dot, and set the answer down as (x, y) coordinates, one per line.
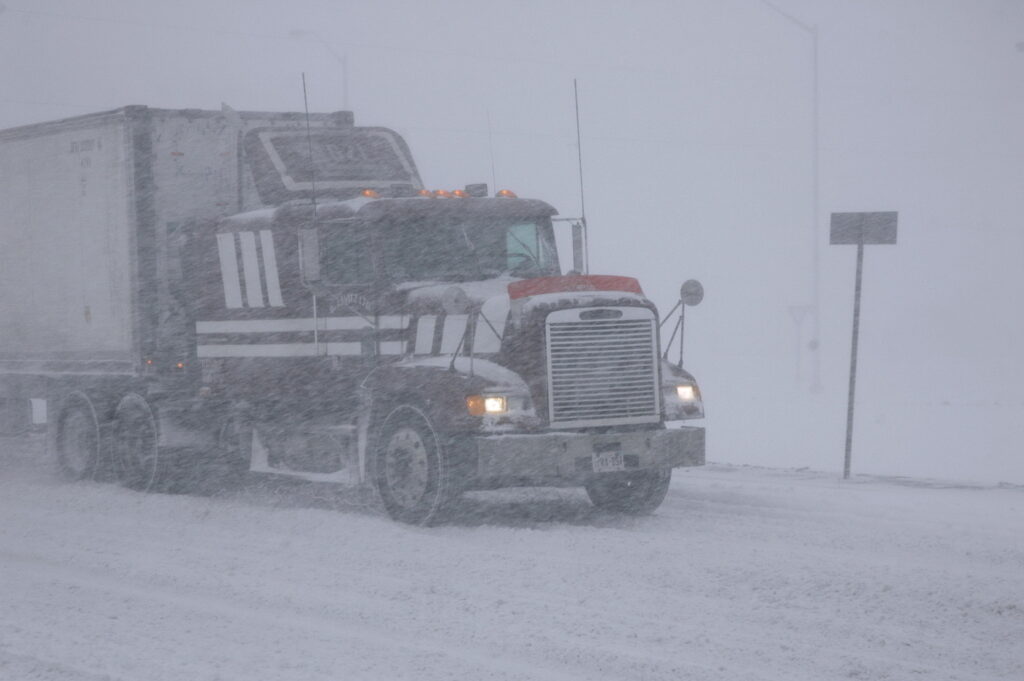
(428, 344)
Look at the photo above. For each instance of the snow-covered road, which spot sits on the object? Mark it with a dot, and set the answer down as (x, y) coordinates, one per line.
(743, 574)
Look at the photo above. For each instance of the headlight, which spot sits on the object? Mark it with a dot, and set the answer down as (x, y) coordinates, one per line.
(479, 405)
(682, 401)
(495, 405)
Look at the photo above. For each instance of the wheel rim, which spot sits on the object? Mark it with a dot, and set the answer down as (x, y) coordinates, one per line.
(406, 467)
(78, 443)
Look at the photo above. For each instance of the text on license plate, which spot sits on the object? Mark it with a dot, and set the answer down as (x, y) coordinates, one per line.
(605, 462)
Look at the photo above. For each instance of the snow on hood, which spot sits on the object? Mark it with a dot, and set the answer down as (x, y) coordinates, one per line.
(578, 299)
(478, 292)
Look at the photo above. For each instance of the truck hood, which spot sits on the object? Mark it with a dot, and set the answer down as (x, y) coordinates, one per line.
(474, 294)
(434, 294)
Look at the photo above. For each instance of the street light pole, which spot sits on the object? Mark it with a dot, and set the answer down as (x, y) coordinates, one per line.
(342, 59)
(815, 343)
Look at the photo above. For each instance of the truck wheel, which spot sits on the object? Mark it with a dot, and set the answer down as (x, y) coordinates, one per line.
(78, 438)
(635, 492)
(135, 445)
(410, 467)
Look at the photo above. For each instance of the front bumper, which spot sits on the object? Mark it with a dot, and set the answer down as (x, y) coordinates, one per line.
(563, 459)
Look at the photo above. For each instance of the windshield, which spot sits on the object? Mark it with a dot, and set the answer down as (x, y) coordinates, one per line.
(468, 249)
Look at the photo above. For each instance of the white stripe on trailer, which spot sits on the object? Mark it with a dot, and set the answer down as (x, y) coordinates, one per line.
(296, 324)
(229, 270)
(251, 269)
(344, 348)
(270, 268)
(425, 335)
(347, 348)
(257, 350)
(392, 347)
(454, 329)
(255, 325)
(490, 325)
(357, 323)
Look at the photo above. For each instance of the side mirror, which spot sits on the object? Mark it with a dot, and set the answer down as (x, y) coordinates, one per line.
(309, 255)
(691, 292)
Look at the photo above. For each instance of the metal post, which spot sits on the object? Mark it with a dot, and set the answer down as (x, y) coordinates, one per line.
(682, 313)
(859, 229)
(853, 362)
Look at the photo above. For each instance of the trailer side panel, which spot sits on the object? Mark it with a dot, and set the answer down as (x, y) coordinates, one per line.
(67, 229)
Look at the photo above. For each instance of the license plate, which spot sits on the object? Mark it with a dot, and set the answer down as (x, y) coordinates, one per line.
(605, 462)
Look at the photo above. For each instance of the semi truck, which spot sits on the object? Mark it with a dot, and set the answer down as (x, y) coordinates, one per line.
(197, 295)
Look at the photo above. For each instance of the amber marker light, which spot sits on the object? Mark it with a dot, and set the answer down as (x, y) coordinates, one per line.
(180, 365)
(506, 194)
(426, 192)
(371, 194)
(443, 194)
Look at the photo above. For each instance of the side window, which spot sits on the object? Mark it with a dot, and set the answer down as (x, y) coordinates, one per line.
(346, 255)
(522, 246)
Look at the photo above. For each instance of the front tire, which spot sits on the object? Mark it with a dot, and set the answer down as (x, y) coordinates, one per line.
(411, 470)
(634, 492)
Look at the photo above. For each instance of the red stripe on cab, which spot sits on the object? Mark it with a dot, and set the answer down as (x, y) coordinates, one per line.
(580, 282)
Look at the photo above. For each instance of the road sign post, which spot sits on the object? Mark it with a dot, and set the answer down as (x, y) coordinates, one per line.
(859, 229)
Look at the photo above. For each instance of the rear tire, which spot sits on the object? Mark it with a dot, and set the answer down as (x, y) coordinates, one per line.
(634, 492)
(136, 446)
(78, 439)
(410, 467)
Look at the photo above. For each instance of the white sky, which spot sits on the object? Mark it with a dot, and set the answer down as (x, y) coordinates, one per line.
(697, 142)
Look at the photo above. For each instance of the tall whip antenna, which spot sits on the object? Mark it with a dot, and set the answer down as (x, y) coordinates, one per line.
(312, 171)
(579, 156)
(309, 142)
(490, 145)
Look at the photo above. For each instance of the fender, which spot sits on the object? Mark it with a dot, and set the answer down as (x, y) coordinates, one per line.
(436, 385)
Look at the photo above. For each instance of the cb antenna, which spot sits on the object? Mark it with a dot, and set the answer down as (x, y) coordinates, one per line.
(579, 158)
(309, 142)
(490, 146)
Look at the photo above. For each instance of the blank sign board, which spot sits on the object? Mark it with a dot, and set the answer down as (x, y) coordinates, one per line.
(863, 228)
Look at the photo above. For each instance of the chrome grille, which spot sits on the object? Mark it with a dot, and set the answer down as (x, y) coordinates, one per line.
(602, 371)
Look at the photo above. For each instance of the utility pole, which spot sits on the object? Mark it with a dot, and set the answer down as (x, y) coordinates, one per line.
(341, 58)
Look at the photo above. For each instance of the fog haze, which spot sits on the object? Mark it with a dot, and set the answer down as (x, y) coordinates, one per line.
(698, 149)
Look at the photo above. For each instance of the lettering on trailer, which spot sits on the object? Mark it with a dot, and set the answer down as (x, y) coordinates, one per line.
(228, 245)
